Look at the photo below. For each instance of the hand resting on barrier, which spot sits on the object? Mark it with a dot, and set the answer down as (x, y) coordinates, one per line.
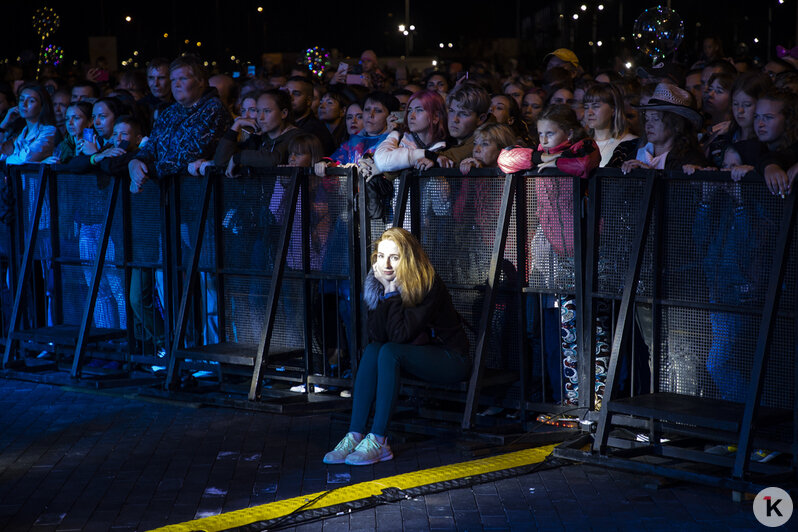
(138, 175)
(199, 167)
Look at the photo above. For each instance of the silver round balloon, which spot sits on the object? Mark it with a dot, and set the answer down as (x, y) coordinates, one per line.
(658, 31)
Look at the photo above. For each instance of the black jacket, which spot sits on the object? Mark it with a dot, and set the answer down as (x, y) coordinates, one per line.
(433, 321)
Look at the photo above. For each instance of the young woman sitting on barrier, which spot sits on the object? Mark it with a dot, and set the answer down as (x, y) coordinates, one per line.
(78, 118)
(37, 140)
(606, 123)
(564, 145)
(413, 326)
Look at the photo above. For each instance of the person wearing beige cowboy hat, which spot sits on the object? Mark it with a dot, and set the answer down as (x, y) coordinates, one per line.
(669, 137)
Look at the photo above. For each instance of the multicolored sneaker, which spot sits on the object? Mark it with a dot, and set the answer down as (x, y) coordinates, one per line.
(763, 455)
(342, 450)
(370, 451)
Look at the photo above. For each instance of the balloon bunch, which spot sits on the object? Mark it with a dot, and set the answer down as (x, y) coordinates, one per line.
(45, 22)
(317, 60)
(658, 31)
(53, 55)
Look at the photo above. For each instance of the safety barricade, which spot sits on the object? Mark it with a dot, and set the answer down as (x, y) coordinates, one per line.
(705, 271)
(651, 302)
(84, 238)
(263, 265)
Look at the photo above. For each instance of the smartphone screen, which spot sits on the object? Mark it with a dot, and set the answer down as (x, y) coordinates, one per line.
(236, 74)
(88, 134)
(399, 116)
(251, 71)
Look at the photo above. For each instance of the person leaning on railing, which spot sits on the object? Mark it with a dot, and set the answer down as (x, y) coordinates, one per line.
(564, 145)
(37, 139)
(187, 130)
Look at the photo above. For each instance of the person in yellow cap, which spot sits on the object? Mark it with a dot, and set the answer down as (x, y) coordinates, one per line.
(562, 57)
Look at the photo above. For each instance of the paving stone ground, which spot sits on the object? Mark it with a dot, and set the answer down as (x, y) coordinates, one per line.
(77, 461)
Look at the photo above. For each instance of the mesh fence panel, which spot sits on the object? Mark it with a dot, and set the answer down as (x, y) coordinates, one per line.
(190, 204)
(719, 252)
(146, 225)
(621, 204)
(250, 229)
(551, 219)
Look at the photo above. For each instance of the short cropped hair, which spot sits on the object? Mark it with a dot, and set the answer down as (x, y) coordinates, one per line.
(132, 121)
(388, 101)
(193, 63)
(472, 96)
(157, 63)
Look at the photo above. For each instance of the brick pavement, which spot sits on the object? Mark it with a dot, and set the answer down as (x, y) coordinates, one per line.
(78, 461)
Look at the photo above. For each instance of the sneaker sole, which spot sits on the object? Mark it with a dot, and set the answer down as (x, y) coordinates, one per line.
(384, 458)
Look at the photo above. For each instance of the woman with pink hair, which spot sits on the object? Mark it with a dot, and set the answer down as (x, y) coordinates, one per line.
(425, 117)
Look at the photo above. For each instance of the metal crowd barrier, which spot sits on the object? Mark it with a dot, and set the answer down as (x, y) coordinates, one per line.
(597, 297)
(85, 237)
(274, 253)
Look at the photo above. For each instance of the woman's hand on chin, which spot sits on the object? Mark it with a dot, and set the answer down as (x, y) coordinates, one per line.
(387, 285)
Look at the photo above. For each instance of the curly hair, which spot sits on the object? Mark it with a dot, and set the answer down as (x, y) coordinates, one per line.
(415, 274)
(685, 136)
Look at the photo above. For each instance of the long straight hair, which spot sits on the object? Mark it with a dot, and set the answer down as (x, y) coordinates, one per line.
(433, 104)
(611, 95)
(414, 273)
(46, 115)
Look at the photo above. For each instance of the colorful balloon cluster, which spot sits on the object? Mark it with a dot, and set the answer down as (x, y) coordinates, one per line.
(658, 31)
(317, 60)
(53, 55)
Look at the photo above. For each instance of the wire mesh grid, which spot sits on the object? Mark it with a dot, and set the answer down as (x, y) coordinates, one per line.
(719, 240)
(551, 223)
(621, 204)
(190, 204)
(250, 229)
(146, 225)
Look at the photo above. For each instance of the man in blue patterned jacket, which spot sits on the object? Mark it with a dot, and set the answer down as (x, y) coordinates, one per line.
(187, 130)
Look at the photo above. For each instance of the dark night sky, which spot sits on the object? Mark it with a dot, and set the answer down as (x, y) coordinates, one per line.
(234, 27)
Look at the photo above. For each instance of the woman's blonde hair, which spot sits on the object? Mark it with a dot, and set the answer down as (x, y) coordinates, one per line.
(414, 273)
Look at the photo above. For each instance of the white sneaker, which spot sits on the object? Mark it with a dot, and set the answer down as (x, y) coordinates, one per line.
(342, 450)
(370, 451)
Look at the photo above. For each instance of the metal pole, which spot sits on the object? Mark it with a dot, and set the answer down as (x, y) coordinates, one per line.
(407, 26)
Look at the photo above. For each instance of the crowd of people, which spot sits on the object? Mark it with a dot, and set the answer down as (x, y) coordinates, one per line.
(173, 119)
